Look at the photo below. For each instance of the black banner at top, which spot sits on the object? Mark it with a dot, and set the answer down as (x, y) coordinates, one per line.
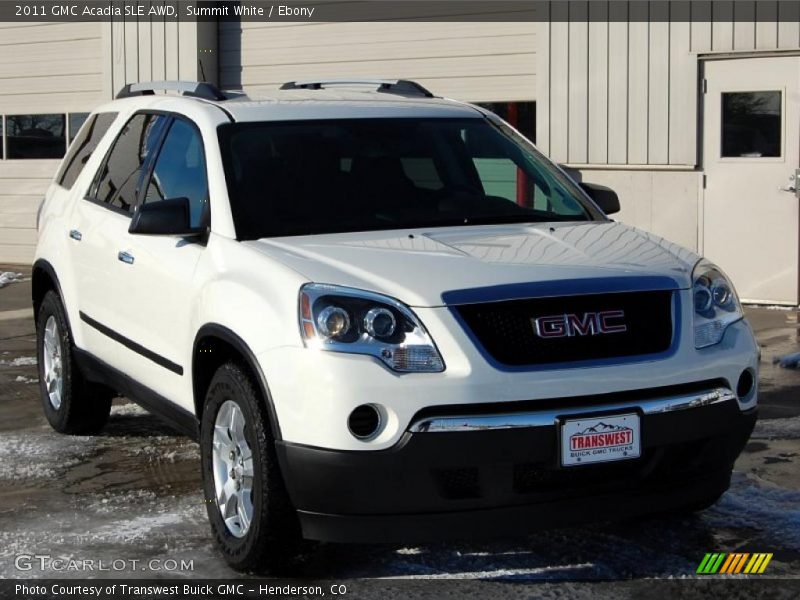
(401, 10)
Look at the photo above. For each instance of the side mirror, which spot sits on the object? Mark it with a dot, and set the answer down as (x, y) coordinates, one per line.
(164, 217)
(604, 197)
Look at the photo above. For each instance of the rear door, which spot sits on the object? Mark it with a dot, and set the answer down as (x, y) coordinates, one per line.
(98, 224)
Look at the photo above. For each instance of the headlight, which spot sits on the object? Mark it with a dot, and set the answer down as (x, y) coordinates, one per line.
(715, 304)
(340, 319)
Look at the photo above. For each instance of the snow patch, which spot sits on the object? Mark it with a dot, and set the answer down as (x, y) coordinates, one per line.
(559, 571)
(788, 361)
(20, 361)
(9, 277)
(127, 410)
(162, 448)
(777, 429)
(758, 504)
(37, 456)
(139, 527)
(23, 379)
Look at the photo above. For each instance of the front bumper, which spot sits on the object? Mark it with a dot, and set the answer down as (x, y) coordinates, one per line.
(494, 475)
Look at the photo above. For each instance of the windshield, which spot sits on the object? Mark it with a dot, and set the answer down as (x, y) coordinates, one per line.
(334, 176)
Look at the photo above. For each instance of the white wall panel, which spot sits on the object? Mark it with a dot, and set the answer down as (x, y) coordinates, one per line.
(642, 85)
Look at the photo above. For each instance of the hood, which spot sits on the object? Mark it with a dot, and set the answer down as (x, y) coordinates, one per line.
(447, 265)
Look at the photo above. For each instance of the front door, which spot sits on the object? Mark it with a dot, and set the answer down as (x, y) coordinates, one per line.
(751, 142)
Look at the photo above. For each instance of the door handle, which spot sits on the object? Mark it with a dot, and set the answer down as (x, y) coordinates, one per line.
(794, 179)
(125, 257)
(76, 235)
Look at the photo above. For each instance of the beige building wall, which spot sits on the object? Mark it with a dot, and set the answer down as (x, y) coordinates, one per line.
(478, 62)
(618, 96)
(44, 68)
(74, 67)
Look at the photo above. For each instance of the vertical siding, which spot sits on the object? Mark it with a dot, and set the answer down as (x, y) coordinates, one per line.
(788, 26)
(469, 61)
(682, 106)
(639, 84)
(617, 122)
(597, 93)
(559, 82)
(44, 68)
(153, 49)
(578, 108)
(658, 114)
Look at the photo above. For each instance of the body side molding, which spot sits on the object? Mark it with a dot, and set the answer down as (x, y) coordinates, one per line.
(131, 345)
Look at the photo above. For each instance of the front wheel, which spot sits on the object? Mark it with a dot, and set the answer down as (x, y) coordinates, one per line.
(251, 516)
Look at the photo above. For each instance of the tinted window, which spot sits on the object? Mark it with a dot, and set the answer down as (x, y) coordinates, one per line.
(180, 170)
(82, 148)
(76, 120)
(36, 136)
(307, 177)
(119, 177)
(751, 124)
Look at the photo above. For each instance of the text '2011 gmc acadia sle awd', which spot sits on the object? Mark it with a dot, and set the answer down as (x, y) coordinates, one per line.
(385, 316)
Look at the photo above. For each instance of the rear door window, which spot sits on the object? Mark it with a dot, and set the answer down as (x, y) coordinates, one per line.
(82, 148)
(118, 180)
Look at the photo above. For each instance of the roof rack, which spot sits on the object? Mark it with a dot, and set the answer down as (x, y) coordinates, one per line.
(400, 87)
(194, 89)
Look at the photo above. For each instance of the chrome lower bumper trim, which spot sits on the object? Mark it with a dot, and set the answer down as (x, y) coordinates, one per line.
(547, 418)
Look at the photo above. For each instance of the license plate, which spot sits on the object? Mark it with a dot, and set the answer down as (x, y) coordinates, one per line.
(591, 440)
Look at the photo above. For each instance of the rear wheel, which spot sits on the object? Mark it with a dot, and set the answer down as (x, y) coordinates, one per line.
(251, 516)
(70, 403)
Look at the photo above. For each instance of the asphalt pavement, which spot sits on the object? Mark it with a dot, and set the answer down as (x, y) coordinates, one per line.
(133, 495)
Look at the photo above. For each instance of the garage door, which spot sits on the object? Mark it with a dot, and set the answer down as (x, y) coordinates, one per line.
(477, 62)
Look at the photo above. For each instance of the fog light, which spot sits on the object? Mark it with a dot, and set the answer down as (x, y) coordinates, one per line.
(364, 421)
(745, 385)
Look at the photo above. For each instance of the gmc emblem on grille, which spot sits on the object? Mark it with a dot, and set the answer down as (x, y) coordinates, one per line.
(590, 323)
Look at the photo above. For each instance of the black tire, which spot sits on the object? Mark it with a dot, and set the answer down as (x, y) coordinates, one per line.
(273, 542)
(84, 407)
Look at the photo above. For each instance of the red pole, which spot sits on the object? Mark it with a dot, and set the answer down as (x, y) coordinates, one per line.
(522, 180)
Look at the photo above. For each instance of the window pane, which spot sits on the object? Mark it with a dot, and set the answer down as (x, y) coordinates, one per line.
(82, 148)
(118, 180)
(36, 136)
(180, 170)
(751, 124)
(75, 122)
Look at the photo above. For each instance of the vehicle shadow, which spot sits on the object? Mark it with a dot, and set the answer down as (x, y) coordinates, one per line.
(665, 546)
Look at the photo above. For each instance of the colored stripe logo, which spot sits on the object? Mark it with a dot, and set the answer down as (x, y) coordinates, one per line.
(734, 563)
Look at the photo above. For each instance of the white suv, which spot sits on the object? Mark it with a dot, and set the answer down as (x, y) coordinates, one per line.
(385, 315)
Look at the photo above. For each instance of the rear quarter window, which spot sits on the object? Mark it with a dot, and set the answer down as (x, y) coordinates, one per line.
(81, 149)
